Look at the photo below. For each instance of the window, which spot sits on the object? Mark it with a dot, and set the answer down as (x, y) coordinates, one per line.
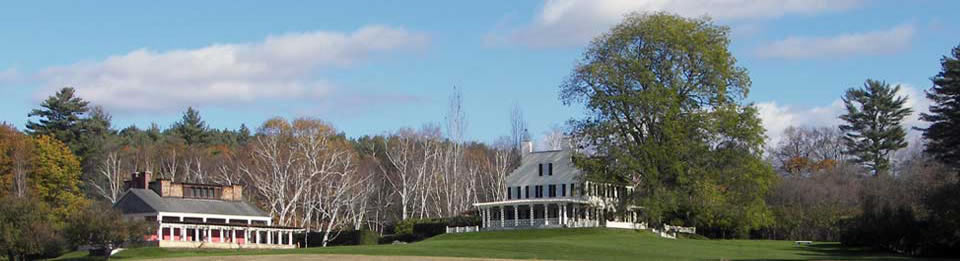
(528, 191)
(518, 192)
(509, 195)
(563, 190)
(552, 191)
(539, 192)
(550, 170)
(195, 191)
(540, 169)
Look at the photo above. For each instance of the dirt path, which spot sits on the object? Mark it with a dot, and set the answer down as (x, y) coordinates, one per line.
(297, 257)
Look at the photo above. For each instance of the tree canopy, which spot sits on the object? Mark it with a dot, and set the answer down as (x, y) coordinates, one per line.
(191, 127)
(871, 126)
(60, 117)
(666, 115)
(943, 137)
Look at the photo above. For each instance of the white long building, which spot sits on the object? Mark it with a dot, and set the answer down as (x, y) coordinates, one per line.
(548, 191)
(200, 215)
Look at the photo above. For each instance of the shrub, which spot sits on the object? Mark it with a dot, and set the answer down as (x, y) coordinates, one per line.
(345, 238)
(415, 229)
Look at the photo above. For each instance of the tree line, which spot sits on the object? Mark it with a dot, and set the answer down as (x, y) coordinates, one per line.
(665, 112)
(302, 171)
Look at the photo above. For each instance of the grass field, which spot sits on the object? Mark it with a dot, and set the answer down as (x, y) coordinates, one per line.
(570, 244)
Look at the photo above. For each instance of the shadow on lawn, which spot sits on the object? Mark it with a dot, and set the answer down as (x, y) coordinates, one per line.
(836, 251)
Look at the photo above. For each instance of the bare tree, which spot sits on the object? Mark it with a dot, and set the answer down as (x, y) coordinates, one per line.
(554, 138)
(288, 158)
(109, 182)
(518, 126)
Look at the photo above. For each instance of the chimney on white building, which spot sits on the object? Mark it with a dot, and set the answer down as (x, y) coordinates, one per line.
(526, 148)
(566, 143)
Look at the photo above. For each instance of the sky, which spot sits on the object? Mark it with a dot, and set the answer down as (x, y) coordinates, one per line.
(372, 67)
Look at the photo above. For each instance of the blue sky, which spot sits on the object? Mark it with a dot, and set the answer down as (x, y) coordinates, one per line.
(370, 67)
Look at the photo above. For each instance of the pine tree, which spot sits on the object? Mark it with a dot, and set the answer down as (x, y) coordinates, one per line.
(943, 135)
(191, 128)
(60, 118)
(872, 129)
(243, 135)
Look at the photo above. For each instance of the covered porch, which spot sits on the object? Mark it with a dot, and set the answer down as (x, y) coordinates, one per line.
(542, 213)
(206, 235)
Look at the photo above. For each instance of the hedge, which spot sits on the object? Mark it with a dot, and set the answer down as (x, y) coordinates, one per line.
(415, 229)
(346, 238)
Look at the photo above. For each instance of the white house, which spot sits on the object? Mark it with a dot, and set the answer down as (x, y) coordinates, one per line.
(548, 191)
(200, 215)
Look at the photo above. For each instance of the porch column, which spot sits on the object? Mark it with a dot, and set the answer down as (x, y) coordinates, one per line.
(183, 233)
(269, 237)
(531, 215)
(233, 236)
(209, 234)
(159, 229)
(258, 235)
(563, 212)
(290, 238)
(483, 217)
(575, 216)
(546, 214)
(516, 217)
(501, 217)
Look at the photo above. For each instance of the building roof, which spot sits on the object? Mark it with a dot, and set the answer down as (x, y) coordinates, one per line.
(528, 172)
(147, 201)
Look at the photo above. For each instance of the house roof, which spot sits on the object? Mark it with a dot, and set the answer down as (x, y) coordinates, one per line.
(148, 201)
(528, 172)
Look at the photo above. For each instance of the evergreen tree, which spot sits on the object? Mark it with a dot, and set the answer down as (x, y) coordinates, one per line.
(60, 118)
(191, 128)
(943, 135)
(244, 134)
(872, 127)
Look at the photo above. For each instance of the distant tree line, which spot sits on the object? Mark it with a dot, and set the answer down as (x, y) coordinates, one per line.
(303, 171)
(862, 184)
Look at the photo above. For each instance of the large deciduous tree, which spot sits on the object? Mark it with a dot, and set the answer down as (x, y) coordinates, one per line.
(664, 98)
(99, 225)
(872, 124)
(28, 230)
(943, 135)
(55, 175)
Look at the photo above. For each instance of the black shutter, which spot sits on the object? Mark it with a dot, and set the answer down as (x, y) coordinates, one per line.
(563, 190)
(540, 169)
(550, 165)
(509, 195)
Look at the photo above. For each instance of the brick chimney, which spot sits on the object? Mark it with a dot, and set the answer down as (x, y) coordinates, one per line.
(139, 180)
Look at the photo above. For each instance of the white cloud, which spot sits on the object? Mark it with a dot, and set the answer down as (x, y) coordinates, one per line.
(869, 43)
(570, 22)
(277, 67)
(777, 117)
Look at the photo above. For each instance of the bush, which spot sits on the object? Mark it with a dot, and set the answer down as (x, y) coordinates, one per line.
(345, 238)
(691, 236)
(415, 229)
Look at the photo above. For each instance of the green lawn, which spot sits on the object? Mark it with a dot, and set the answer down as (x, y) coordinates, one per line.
(571, 244)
